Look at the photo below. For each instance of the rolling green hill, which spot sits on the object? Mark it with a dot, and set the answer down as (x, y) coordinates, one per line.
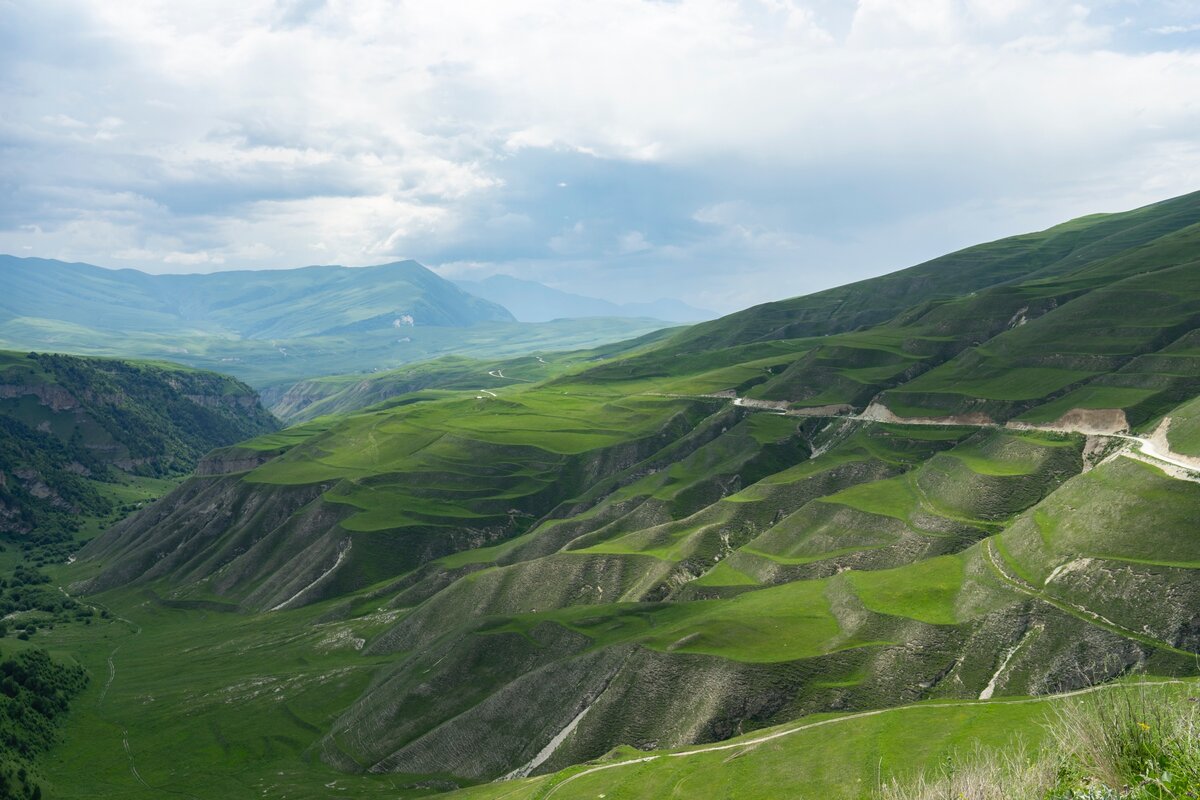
(918, 496)
(340, 394)
(274, 327)
(1096, 316)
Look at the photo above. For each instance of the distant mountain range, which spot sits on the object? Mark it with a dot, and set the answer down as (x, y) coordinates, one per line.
(310, 301)
(530, 301)
(271, 327)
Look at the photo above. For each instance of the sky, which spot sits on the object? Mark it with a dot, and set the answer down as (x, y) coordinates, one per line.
(724, 152)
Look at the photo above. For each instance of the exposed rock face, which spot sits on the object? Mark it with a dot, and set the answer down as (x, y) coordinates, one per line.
(54, 397)
(232, 460)
(1082, 420)
(881, 413)
(214, 530)
(244, 402)
(836, 410)
(770, 405)
(1163, 445)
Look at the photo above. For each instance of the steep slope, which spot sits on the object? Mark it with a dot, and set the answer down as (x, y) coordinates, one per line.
(530, 301)
(72, 426)
(731, 528)
(1064, 248)
(1105, 331)
(672, 581)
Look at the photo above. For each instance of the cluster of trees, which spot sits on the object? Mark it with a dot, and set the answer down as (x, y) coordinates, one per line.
(35, 693)
(27, 589)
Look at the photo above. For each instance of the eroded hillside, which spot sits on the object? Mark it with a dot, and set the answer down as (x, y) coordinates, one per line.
(928, 486)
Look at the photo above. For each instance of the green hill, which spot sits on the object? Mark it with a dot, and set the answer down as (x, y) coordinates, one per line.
(916, 496)
(340, 394)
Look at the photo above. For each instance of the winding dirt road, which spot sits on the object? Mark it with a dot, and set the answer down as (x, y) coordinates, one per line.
(1145, 446)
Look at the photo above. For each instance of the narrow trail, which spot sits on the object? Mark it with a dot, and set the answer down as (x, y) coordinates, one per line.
(132, 765)
(1074, 609)
(750, 743)
(112, 673)
(496, 373)
(112, 664)
(112, 676)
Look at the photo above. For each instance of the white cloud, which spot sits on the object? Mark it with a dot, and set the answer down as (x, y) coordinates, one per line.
(632, 242)
(1167, 30)
(256, 133)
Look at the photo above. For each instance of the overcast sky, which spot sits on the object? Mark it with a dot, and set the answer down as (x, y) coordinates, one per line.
(724, 152)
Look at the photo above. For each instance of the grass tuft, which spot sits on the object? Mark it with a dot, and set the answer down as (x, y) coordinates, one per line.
(982, 775)
(1129, 744)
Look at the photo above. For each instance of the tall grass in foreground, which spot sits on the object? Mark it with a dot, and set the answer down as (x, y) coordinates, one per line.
(1123, 743)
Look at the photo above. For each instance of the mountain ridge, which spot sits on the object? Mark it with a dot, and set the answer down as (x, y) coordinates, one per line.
(229, 300)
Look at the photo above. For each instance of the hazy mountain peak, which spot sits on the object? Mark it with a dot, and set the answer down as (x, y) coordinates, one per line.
(530, 301)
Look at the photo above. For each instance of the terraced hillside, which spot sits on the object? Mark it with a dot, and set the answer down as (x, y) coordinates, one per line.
(82, 435)
(928, 488)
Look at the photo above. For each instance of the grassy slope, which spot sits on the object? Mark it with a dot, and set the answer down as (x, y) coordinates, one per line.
(1096, 313)
(686, 569)
(796, 619)
(1184, 431)
(234, 728)
(340, 394)
(822, 757)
